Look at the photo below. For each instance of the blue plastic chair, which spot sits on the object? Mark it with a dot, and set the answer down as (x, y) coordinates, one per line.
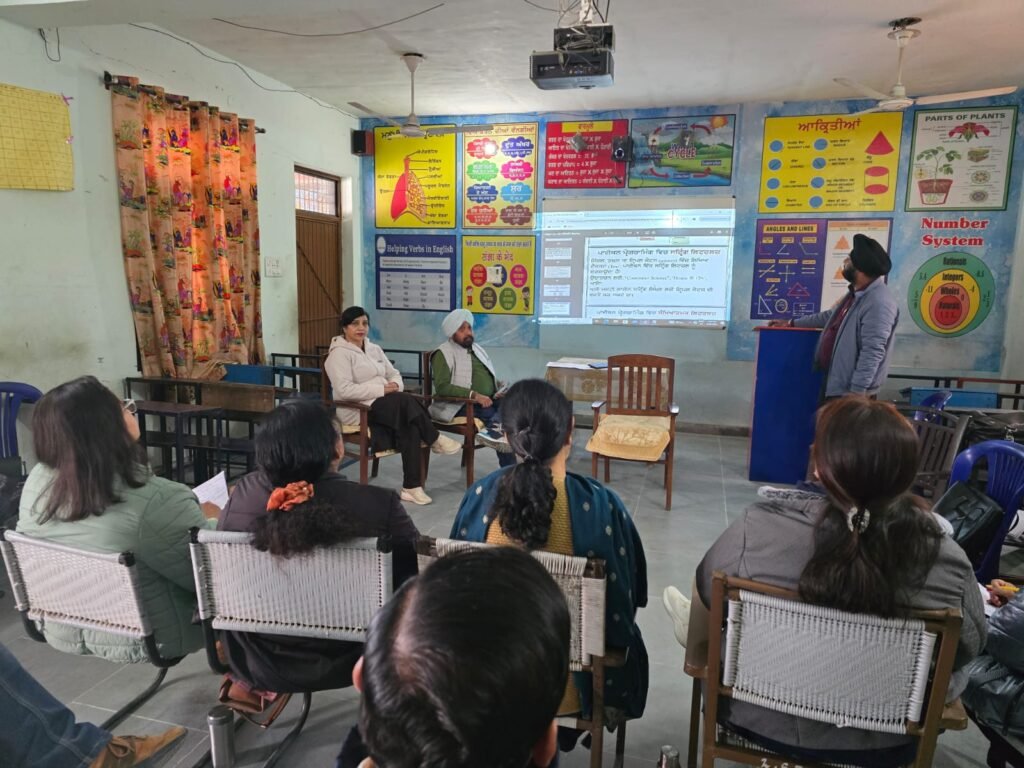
(936, 400)
(1005, 485)
(12, 395)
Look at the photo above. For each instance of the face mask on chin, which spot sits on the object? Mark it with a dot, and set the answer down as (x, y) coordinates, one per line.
(849, 273)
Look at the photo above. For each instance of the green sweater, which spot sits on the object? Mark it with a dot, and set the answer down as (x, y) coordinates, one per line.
(482, 380)
(153, 521)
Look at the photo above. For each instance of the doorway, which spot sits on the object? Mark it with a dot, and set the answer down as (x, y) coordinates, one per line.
(318, 258)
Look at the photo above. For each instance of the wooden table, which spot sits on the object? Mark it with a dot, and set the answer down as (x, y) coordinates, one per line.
(181, 414)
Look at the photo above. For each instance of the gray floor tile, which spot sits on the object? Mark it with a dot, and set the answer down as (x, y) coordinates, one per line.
(711, 490)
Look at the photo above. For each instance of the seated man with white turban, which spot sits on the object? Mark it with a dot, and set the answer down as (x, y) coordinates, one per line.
(461, 368)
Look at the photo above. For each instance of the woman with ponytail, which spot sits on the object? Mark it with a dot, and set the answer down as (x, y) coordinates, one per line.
(867, 546)
(538, 504)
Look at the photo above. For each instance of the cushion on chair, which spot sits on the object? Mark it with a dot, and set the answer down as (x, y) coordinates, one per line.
(638, 438)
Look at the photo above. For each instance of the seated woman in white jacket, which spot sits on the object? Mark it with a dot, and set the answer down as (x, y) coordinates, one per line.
(359, 370)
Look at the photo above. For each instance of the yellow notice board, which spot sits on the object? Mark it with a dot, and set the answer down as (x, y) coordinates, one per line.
(830, 163)
(35, 140)
(497, 274)
(414, 180)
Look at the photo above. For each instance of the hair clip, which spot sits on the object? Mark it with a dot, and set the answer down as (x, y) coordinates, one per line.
(857, 519)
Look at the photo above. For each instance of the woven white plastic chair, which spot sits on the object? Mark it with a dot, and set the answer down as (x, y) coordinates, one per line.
(330, 593)
(103, 595)
(582, 581)
(849, 670)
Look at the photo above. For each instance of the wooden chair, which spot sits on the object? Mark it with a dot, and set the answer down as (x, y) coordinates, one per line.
(640, 424)
(356, 437)
(60, 584)
(939, 436)
(582, 581)
(765, 647)
(329, 593)
(466, 426)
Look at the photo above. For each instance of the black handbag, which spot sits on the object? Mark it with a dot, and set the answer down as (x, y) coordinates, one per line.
(975, 518)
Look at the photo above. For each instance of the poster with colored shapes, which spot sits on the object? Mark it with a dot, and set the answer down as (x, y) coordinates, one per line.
(35, 140)
(584, 162)
(951, 294)
(415, 272)
(497, 274)
(683, 151)
(960, 159)
(414, 180)
(500, 177)
(787, 268)
(839, 243)
(830, 163)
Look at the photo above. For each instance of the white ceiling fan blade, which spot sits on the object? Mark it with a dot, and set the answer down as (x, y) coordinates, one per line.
(964, 95)
(371, 113)
(868, 111)
(866, 90)
(458, 129)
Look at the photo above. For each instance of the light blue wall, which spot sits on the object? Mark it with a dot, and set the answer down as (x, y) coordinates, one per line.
(714, 370)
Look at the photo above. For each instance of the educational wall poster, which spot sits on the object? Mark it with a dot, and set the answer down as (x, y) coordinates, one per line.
(839, 243)
(683, 151)
(35, 140)
(951, 294)
(497, 274)
(585, 162)
(413, 180)
(500, 177)
(415, 272)
(787, 268)
(830, 163)
(960, 159)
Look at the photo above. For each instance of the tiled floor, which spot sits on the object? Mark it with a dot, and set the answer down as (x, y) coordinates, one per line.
(710, 491)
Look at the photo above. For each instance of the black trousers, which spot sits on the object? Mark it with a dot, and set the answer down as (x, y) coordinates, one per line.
(400, 421)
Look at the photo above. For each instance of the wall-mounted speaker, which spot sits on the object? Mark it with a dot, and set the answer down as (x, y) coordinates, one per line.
(362, 142)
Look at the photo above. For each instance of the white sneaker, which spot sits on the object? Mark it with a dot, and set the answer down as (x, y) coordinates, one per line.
(678, 608)
(446, 445)
(415, 495)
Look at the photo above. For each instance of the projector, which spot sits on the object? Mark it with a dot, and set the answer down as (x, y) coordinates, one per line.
(560, 70)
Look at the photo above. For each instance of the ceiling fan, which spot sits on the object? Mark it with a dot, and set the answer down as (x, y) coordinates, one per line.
(897, 98)
(411, 128)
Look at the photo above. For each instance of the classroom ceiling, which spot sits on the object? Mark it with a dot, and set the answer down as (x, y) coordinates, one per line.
(668, 52)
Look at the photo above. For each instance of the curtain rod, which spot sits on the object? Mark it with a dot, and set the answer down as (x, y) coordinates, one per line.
(110, 80)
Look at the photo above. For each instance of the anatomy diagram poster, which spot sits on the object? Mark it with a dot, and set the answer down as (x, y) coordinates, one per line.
(414, 180)
(500, 177)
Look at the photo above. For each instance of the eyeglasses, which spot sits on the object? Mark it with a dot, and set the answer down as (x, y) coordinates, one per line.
(129, 405)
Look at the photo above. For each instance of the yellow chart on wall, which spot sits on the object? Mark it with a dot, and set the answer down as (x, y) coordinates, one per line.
(35, 140)
(830, 163)
(414, 180)
(497, 274)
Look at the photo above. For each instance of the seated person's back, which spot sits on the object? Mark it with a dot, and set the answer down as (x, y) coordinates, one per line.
(868, 547)
(93, 490)
(537, 504)
(294, 502)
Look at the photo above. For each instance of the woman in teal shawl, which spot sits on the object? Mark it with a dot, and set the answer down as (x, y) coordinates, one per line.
(537, 504)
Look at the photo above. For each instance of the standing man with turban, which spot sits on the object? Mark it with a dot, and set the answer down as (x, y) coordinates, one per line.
(858, 330)
(461, 368)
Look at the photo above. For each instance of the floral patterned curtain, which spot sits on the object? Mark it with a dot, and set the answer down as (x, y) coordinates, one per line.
(189, 230)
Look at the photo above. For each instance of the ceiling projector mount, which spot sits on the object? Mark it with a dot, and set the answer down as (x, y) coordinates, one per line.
(582, 53)
(896, 99)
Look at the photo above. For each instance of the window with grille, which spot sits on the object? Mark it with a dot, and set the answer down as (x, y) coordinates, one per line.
(316, 194)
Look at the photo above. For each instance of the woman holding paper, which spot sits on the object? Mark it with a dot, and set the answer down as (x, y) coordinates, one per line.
(93, 489)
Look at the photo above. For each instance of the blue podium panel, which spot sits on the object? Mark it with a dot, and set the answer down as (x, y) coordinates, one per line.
(786, 391)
